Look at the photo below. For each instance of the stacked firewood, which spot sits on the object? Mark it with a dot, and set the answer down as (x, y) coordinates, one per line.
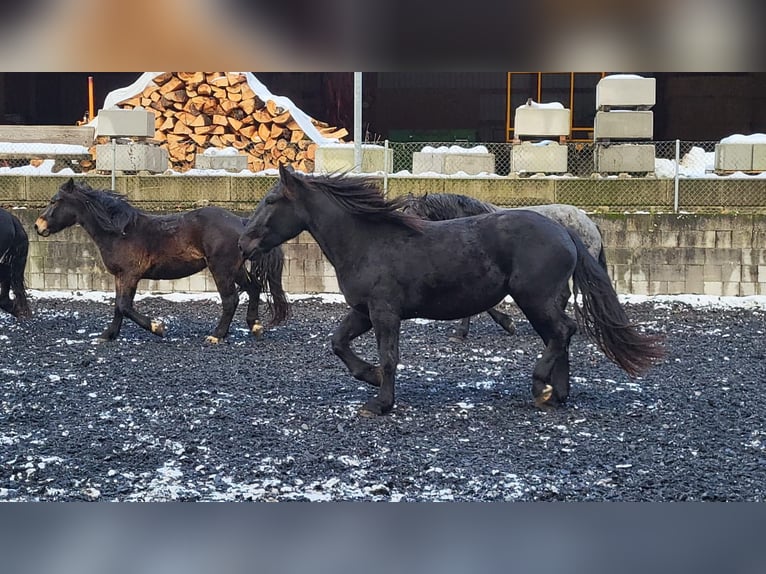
(198, 110)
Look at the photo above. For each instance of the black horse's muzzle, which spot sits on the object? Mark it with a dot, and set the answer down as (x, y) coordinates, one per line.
(248, 247)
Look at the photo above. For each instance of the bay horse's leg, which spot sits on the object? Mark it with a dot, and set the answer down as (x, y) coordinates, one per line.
(354, 324)
(550, 377)
(386, 325)
(125, 292)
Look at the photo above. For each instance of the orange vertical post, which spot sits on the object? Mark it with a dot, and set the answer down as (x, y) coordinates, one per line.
(91, 111)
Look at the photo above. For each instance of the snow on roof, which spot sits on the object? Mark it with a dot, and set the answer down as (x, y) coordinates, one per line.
(744, 139)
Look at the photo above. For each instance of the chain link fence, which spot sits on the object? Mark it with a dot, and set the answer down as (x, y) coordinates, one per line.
(640, 175)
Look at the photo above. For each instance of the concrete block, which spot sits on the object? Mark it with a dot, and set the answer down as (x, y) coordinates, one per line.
(452, 162)
(733, 157)
(628, 158)
(234, 163)
(625, 91)
(624, 124)
(137, 122)
(759, 157)
(550, 157)
(131, 157)
(340, 158)
(546, 122)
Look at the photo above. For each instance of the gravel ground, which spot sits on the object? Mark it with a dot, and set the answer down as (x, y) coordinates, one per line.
(150, 419)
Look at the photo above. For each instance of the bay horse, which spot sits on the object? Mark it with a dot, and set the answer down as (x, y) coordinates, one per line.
(136, 245)
(393, 266)
(14, 248)
(442, 206)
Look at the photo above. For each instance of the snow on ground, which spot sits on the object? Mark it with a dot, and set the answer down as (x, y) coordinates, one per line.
(701, 301)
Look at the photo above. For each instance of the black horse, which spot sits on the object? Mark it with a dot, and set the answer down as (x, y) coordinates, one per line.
(443, 206)
(135, 245)
(393, 266)
(14, 247)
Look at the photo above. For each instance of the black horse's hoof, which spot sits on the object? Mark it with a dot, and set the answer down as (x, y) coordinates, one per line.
(374, 408)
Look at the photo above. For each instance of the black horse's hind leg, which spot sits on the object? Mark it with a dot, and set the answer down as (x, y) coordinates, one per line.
(560, 371)
(386, 325)
(550, 377)
(354, 324)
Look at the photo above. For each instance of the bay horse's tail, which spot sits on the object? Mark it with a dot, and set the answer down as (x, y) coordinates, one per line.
(267, 271)
(603, 319)
(15, 258)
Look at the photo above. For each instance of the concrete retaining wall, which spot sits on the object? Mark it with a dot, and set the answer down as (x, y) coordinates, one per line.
(646, 253)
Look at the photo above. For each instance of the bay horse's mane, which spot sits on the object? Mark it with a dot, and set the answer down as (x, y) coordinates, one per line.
(442, 206)
(110, 210)
(362, 196)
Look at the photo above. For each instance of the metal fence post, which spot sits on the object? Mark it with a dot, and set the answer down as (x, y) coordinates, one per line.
(675, 176)
(385, 168)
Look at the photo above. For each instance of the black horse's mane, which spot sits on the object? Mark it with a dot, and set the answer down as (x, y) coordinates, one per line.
(362, 196)
(110, 210)
(442, 206)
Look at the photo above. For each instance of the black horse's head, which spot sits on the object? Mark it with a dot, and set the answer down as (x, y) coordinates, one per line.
(276, 219)
(60, 213)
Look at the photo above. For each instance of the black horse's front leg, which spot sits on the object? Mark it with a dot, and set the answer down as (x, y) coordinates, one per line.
(386, 325)
(354, 324)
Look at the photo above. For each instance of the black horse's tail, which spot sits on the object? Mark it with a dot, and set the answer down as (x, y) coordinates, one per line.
(15, 259)
(601, 253)
(604, 320)
(267, 271)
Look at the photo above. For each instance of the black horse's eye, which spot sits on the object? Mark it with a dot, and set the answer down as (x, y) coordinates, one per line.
(271, 199)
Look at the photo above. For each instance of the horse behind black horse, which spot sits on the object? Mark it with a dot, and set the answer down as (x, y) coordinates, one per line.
(14, 247)
(135, 245)
(443, 206)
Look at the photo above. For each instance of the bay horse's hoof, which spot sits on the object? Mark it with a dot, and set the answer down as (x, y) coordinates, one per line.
(212, 340)
(257, 330)
(545, 395)
(158, 328)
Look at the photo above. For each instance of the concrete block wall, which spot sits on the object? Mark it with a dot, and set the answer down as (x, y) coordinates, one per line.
(652, 254)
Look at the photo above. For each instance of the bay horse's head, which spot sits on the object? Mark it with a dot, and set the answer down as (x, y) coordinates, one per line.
(276, 219)
(60, 212)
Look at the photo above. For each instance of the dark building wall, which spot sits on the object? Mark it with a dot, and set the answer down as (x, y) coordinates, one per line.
(703, 107)
(468, 105)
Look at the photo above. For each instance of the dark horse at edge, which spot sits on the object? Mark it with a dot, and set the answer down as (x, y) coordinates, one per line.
(442, 206)
(135, 245)
(393, 266)
(14, 247)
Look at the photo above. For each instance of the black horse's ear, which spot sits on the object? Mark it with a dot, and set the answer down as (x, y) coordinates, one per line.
(286, 172)
(68, 185)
